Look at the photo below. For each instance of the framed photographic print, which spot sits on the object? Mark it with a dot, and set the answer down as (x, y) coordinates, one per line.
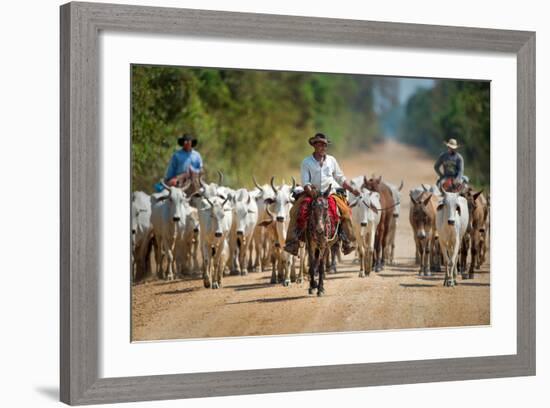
(285, 205)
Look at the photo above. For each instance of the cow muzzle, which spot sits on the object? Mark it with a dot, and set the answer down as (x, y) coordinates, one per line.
(421, 234)
(280, 219)
(240, 233)
(133, 230)
(451, 222)
(176, 219)
(363, 224)
(218, 234)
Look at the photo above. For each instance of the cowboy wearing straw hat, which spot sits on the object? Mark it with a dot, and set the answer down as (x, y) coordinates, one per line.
(183, 161)
(318, 172)
(453, 165)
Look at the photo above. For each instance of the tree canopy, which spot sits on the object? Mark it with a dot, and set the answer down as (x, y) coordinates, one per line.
(452, 109)
(247, 122)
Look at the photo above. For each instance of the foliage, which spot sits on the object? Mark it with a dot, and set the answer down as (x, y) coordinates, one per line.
(453, 109)
(247, 122)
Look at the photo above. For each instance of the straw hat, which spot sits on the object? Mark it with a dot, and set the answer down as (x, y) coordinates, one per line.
(452, 144)
(319, 137)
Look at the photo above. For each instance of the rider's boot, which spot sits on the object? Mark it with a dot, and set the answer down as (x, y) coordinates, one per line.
(292, 246)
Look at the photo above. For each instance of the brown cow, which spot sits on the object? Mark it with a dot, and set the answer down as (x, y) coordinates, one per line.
(386, 214)
(422, 219)
(478, 214)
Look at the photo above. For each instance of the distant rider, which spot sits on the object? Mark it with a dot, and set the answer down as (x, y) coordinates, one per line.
(453, 167)
(184, 161)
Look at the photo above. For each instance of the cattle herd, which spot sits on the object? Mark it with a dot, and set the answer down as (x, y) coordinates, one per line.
(212, 230)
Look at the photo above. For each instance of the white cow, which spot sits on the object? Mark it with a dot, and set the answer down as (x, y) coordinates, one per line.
(262, 242)
(278, 209)
(451, 224)
(365, 218)
(215, 217)
(168, 217)
(142, 234)
(396, 195)
(245, 217)
(187, 241)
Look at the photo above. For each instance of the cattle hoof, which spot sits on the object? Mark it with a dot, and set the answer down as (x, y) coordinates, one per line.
(206, 284)
(215, 285)
(361, 274)
(273, 280)
(244, 273)
(311, 290)
(299, 280)
(320, 292)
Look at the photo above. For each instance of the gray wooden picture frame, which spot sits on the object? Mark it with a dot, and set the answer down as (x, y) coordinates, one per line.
(80, 237)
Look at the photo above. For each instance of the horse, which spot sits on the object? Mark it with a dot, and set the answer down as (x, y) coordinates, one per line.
(321, 234)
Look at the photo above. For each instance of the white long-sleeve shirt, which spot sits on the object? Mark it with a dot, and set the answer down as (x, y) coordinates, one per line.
(322, 174)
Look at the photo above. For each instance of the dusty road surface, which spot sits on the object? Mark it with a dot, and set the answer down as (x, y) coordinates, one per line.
(392, 299)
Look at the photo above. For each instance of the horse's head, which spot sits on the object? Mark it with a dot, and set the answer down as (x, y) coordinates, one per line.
(319, 219)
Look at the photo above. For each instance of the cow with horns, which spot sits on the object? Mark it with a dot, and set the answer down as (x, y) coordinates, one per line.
(278, 209)
(451, 222)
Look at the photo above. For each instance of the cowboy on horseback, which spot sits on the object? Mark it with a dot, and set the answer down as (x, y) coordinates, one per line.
(453, 167)
(184, 162)
(320, 172)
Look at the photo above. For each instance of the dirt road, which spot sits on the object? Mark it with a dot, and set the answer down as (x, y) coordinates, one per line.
(392, 299)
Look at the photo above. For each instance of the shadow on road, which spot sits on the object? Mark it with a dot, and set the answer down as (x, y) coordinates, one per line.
(473, 284)
(392, 275)
(272, 300)
(249, 286)
(178, 291)
(416, 285)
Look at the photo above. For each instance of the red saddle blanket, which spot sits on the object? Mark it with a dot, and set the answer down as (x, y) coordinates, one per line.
(303, 213)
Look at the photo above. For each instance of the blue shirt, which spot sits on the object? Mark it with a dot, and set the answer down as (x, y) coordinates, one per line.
(181, 162)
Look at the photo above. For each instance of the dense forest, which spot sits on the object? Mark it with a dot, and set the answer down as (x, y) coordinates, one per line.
(247, 122)
(452, 109)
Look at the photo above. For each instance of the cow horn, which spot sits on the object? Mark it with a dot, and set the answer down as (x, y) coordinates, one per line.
(365, 181)
(293, 183)
(424, 188)
(400, 186)
(220, 175)
(164, 185)
(273, 185)
(412, 198)
(256, 184)
(249, 198)
(327, 191)
(201, 182)
(186, 185)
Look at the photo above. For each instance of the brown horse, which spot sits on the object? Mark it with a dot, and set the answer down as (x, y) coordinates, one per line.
(382, 231)
(321, 235)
